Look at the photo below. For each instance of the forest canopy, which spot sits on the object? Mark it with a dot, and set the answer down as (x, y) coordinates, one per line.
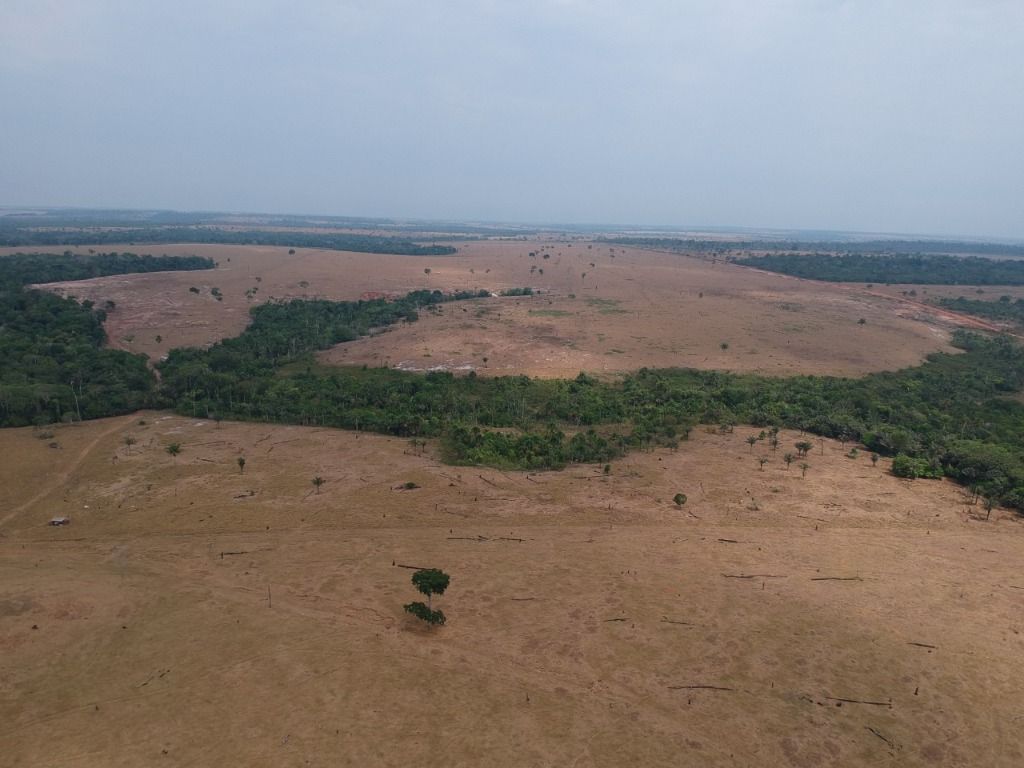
(865, 268)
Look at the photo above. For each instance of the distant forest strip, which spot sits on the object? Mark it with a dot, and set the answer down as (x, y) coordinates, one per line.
(862, 247)
(30, 236)
(1005, 309)
(954, 415)
(28, 268)
(927, 270)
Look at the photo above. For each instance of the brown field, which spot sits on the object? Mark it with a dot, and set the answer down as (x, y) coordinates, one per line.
(635, 309)
(194, 615)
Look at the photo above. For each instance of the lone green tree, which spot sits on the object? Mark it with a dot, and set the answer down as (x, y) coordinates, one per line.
(430, 582)
(762, 461)
(317, 482)
(129, 441)
(804, 447)
(241, 464)
(173, 450)
(803, 469)
(679, 499)
(752, 441)
(788, 458)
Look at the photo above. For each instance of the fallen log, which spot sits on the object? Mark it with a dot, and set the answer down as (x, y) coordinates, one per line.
(751, 576)
(699, 688)
(837, 578)
(861, 701)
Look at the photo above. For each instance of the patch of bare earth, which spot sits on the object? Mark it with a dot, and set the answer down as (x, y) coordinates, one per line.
(195, 615)
(603, 309)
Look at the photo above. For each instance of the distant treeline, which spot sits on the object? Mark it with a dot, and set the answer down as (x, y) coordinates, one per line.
(1006, 309)
(140, 219)
(28, 268)
(857, 268)
(863, 247)
(28, 236)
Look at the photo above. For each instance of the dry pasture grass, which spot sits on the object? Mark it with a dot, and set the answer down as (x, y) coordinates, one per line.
(631, 309)
(195, 615)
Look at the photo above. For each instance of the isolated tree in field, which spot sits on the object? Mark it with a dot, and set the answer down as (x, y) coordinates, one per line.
(679, 499)
(241, 464)
(426, 270)
(752, 441)
(430, 582)
(173, 450)
(762, 461)
(773, 441)
(129, 441)
(317, 482)
(874, 459)
(804, 447)
(803, 469)
(789, 458)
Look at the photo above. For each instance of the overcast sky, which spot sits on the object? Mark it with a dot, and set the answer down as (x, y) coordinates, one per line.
(873, 115)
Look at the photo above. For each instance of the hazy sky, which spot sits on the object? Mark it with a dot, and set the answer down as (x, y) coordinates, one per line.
(898, 115)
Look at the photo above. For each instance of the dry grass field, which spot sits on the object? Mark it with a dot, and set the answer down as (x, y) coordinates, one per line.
(193, 615)
(631, 309)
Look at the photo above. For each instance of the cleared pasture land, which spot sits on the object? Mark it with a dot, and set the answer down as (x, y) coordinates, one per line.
(195, 614)
(632, 309)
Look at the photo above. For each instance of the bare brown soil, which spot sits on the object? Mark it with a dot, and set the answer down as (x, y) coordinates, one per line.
(632, 309)
(195, 615)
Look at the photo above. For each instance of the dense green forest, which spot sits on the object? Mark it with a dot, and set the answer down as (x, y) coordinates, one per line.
(31, 236)
(53, 365)
(953, 414)
(861, 247)
(906, 268)
(1005, 309)
(956, 414)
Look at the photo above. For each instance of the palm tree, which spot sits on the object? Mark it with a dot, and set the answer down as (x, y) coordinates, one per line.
(804, 447)
(317, 482)
(788, 458)
(129, 441)
(751, 441)
(762, 461)
(241, 464)
(803, 469)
